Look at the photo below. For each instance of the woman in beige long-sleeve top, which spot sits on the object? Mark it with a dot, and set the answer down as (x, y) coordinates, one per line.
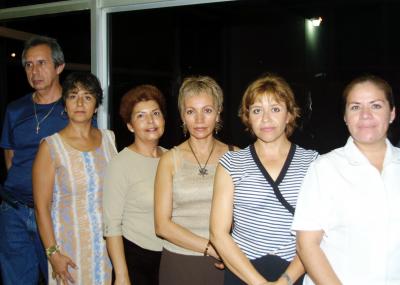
(128, 192)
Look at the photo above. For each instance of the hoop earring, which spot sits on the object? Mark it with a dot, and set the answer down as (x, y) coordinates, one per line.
(184, 130)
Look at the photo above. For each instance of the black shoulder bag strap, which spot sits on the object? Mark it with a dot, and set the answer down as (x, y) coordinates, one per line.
(275, 184)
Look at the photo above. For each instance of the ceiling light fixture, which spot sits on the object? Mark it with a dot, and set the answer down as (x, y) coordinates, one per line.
(316, 21)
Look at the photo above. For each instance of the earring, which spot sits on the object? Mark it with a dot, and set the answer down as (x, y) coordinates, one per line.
(218, 127)
(184, 129)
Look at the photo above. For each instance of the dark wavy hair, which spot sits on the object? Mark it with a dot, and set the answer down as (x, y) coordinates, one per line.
(85, 80)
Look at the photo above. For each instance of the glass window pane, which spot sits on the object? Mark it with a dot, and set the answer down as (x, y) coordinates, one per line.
(235, 42)
(73, 37)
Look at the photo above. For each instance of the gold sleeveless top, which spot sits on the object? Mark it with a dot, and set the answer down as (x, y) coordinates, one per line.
(192, 195)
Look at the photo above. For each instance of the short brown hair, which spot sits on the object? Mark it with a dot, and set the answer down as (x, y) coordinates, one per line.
(198, 84)
(138, 94)
(379, 82)
(279, 89)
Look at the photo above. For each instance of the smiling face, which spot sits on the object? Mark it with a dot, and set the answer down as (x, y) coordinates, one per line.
(368, 114)
(200, 114)
(40, 70)
(80, 105)
(147, 121)
(268, 118)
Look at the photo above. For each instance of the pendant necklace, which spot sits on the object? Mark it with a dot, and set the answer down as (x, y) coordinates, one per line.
(202, 169)
(45, 116)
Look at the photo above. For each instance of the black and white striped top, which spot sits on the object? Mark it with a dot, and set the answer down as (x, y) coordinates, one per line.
(261, 224)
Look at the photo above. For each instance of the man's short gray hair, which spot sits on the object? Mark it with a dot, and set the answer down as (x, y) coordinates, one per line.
(56, 51)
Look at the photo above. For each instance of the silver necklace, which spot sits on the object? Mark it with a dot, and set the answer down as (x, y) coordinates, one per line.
(45, 116)
(202, 169)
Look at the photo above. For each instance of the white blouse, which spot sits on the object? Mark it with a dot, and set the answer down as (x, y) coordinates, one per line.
(358, 208)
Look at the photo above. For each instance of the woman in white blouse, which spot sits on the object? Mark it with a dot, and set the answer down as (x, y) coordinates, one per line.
(347, 218)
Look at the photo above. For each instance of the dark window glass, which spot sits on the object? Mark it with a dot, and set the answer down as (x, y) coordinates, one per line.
(235, 42)
(72, 31)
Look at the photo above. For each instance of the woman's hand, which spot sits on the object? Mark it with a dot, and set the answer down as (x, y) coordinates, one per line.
(60, 263)
(213, 253)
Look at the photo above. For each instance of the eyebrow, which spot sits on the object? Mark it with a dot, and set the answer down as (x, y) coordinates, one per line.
(206, 106)
(370, 102)
(85, 92)
(36, 60)
(254, 105)
(140, 112)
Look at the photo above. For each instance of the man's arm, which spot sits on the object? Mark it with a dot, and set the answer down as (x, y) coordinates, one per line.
(8, 156)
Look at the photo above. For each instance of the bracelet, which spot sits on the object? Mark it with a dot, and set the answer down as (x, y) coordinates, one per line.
(52, 250)
(206, 249)
(287, 277)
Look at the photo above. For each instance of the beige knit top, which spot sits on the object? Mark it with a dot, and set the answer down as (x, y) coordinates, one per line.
(192, 194)
(129, 199)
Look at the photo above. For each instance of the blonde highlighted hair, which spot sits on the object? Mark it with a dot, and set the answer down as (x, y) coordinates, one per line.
(194, 85)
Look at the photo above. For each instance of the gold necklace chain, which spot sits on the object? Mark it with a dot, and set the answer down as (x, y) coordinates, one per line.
(45, 116)
(202, 169)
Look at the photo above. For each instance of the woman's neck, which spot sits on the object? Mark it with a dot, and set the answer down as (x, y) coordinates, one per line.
(375, 153)
(273, 150)
(202, 146)
(149, 149)
(82, 130)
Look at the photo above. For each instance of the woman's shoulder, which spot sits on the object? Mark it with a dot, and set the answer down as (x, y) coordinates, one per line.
(331, 161)
(223, 148)
(52, 141)
(303, 152)
(107, 133)
(124, 155)
(52, 137)
(238, 155)
(163, 149)
(168, 156)
(176, 152)
(172, 151)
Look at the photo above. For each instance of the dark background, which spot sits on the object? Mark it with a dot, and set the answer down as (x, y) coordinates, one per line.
(234, 42)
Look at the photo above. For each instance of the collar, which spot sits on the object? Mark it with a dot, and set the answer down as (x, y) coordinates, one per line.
(356, 157)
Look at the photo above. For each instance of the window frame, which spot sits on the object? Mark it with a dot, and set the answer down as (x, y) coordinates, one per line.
(99, 11)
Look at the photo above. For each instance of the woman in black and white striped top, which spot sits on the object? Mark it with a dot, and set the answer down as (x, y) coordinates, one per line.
(256, 189)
